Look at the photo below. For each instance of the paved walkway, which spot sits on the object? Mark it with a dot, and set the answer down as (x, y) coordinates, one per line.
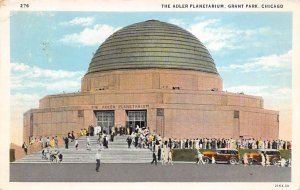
(179, 172)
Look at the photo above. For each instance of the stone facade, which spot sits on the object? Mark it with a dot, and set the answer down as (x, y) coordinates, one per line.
(190, 111)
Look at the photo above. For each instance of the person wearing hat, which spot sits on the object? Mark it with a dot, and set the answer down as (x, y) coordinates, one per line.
(98, 160)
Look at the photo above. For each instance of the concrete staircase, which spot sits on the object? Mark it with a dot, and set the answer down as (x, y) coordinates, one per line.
(117, 152)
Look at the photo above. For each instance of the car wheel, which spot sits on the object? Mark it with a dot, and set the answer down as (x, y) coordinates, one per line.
(274, 162)
(205, 160)
(233, 161)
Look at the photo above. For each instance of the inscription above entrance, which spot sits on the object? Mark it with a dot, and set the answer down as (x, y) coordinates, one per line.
(122, 106)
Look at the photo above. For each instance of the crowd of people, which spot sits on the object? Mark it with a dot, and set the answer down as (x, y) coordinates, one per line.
(143, 138)
(49, 146)
(214, 143)
(53, 155)
(45, 141)
(162, 148)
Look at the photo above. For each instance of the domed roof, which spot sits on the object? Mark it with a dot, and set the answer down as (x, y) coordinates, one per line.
(152, 44)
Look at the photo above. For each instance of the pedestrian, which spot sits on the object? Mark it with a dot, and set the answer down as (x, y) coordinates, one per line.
(112, 135)
(97, 160)
(163, 160)
(43, 142)
(24, 146)
(105, 141)
(72, 136)
(92, 130)
(263, 160)
(76, 144)
(159, 154)
(267, 160)
(136, 140)
(245, 159)
(88, 143)
(282, 162)
(199, 157)
(47, 142)
(52, 143)
(170, 158)
(66, 140)
(154, 158)
(60, 157)
(56, 142)
(129, 140)
(99, 140)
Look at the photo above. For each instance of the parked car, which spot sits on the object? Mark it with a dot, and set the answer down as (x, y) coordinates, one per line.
(255, 158)
(222, 155)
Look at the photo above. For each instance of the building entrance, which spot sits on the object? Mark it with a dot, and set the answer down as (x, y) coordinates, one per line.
(105, 119)
(136, 118)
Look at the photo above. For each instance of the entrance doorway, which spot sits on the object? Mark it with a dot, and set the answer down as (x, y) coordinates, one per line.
(105, 119)
(136, 118)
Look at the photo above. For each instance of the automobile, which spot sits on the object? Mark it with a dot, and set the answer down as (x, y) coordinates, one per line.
(255, 158)
(222, 155)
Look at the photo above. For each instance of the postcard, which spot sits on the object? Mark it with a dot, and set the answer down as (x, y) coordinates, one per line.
(138, 94)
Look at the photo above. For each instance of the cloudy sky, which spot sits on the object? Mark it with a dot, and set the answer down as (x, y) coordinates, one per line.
(51, 51)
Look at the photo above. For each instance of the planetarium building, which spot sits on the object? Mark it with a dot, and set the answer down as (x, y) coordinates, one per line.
(157, 75)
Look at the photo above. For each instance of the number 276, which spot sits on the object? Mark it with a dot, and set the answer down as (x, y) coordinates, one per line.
(24, 5)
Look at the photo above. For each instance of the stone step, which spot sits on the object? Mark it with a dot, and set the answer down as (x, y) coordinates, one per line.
(117, 152)
(102, 153)
(110, 148)
(93, 158)
(90, 161)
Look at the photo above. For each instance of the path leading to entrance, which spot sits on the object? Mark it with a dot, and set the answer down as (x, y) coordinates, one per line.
(147, 173)
(117, 152)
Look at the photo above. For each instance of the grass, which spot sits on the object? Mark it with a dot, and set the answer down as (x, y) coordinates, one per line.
(190, 155)
(286, 154)
(184, 155)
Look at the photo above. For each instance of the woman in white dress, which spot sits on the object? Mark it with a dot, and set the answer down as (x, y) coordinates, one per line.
(88, 143)
(163, 161)
(200, 155)
(245, 159)
(263, 160)
(197, 144)
(166, 155)
(267, 160)
(170, 159)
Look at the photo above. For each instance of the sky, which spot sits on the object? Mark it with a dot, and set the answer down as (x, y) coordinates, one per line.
(51, 51)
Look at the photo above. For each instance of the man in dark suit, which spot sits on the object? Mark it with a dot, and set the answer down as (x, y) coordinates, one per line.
(97, 160)
(24, 146)
(129, 140)
(159, 153)
(66, 139)
(154, 158)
